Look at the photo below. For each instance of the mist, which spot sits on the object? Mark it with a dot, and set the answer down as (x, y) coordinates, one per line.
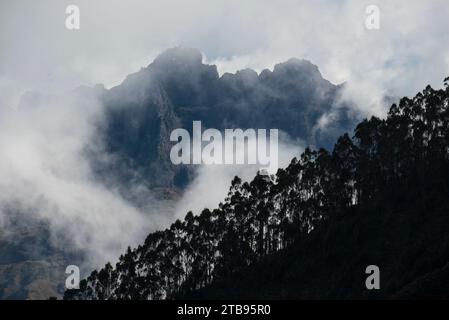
(46, 175)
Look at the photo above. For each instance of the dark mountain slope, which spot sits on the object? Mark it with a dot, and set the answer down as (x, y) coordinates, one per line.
(32, 265)
(312, 229)
(407, 237)
(177, 88)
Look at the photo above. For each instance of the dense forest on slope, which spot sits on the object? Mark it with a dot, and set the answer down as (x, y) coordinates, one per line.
(310, 230)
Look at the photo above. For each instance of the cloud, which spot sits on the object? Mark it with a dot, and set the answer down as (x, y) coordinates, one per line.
(116, 38)
(214, 180)
(46, 175)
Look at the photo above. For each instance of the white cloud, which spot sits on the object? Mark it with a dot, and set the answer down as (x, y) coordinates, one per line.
(46, 175)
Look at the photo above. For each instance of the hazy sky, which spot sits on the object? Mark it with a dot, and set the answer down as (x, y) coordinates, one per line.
(410, 50)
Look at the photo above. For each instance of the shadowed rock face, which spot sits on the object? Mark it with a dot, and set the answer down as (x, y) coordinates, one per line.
(177, 88)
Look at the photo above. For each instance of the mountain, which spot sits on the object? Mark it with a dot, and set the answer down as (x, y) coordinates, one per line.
(140, 113)
(310, 231)
(178, 88)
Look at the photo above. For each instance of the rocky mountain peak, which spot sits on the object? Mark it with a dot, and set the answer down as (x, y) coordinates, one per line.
(179, 56)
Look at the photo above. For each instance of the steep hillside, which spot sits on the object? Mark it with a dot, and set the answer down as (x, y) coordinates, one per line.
(175, 89)
(311, 230)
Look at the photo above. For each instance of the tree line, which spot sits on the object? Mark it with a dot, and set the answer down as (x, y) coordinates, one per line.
(270, 213)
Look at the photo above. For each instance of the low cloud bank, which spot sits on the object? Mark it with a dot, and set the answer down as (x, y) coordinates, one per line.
(46, 175)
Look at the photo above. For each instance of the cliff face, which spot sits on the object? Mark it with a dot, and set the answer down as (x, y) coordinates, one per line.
(177, 88)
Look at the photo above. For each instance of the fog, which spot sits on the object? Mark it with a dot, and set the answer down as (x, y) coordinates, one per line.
(45, 174)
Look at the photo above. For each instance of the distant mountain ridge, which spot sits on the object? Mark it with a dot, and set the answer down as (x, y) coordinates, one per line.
(178, 88)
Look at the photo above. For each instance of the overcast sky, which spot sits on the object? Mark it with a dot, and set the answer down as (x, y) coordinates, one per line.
(410, 50)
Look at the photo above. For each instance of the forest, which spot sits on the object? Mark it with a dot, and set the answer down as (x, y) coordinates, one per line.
(379, 197)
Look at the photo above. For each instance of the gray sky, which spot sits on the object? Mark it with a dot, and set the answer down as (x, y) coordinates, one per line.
(410, 50)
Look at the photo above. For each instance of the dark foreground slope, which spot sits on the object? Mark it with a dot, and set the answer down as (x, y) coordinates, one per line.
(312, 229)
(405, 235)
